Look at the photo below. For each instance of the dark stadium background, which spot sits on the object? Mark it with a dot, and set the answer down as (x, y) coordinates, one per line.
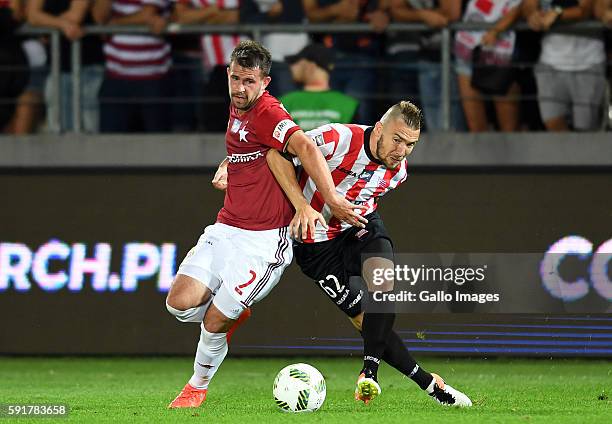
(437, 210)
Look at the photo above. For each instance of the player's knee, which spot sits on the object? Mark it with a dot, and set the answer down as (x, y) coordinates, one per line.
(183, 315)
(186, 293)
(176, 302)
(378, 265)
(378, 273)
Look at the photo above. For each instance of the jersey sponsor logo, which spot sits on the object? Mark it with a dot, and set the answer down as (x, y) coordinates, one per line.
(236, 126)
(361, 233)
(414, 371)
(371, 358)
(357, 299)
(346, 171)
(343, 298)
(281, 129)
(245, 157)
(366, 175)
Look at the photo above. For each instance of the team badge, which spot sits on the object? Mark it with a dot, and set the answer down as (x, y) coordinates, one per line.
(236, 126)
(366, 175)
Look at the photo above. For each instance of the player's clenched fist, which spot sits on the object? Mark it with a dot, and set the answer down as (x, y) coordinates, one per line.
(219, 181)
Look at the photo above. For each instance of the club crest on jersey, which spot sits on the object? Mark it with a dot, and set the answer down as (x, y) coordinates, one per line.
(366, 175)
(236, 126)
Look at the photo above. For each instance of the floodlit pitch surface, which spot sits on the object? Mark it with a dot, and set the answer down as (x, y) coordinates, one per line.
(139, 389)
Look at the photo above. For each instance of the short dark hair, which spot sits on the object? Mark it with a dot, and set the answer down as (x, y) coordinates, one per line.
(408, 111)
(250, 54)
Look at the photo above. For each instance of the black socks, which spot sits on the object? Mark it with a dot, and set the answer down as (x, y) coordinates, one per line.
(376, 329)
(397, 355)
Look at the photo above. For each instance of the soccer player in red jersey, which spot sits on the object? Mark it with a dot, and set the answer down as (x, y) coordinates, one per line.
(239, 259)
(365, 163)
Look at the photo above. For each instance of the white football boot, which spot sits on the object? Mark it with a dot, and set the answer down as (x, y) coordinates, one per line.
(445, 394)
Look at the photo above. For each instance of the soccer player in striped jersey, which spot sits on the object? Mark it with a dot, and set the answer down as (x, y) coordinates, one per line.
(365, 163)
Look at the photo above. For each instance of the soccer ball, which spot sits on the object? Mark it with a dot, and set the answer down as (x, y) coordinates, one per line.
(299, 388)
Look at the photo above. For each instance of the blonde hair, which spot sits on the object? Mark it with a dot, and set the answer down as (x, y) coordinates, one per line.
(408, 111)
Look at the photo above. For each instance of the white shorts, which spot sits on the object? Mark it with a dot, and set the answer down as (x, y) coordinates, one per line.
(240, 267)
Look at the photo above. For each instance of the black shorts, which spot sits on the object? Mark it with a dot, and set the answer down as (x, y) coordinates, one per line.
(335, 265)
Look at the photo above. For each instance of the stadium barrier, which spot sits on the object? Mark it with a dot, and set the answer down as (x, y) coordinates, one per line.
(257, 31)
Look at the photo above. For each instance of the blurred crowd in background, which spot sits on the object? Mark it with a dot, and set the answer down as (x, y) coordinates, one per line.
(501, 79)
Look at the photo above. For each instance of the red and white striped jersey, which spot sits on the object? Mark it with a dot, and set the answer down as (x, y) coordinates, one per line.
(138, 57)
(217, 48)
(357, 175)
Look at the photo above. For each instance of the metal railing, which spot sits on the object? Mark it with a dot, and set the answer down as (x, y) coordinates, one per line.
(256, 32)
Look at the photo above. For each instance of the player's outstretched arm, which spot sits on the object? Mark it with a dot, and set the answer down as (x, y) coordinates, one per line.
(305, 218)
(314, 164)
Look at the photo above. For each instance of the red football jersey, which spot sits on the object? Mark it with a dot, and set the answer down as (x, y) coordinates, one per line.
(254, 200)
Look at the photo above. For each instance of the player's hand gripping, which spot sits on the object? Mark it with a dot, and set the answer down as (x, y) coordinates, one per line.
(348, 212)
(219, 181)
(304, 222)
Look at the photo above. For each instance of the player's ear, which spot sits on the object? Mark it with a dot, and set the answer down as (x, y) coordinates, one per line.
(378, 129)
(266, 81)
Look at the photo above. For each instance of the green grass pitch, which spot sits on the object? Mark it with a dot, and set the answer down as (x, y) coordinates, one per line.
(138, 390)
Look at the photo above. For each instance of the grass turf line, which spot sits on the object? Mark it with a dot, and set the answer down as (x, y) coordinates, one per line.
(139, 389)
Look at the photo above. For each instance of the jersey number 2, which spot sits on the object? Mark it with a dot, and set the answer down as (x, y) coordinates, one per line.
(241, 286)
